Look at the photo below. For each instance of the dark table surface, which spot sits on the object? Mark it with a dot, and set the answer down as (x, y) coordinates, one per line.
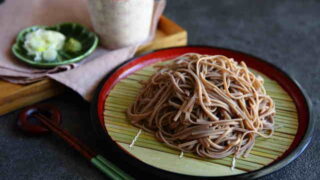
(286, 33)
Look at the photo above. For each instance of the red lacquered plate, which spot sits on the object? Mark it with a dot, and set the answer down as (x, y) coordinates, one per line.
(294, 115)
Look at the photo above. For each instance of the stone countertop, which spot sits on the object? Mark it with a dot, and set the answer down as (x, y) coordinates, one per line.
(285, 33)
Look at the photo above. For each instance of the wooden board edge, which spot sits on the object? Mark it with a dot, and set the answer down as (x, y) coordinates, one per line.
(30, 94)
(176, 36)
(179, 39)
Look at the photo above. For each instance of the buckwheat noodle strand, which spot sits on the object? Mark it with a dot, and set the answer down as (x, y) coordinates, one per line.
(208, 105)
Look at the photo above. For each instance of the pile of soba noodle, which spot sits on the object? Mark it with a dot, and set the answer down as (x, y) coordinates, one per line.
(208, 105)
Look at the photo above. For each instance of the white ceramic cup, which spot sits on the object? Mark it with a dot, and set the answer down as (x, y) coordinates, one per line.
(121, 23)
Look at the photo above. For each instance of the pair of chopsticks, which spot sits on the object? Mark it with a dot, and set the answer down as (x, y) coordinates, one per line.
(97, 160)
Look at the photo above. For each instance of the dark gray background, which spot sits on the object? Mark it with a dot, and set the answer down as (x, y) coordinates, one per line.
(286, 33)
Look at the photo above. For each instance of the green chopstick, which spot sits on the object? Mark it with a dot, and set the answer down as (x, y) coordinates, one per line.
(97, 160)
(109, 169)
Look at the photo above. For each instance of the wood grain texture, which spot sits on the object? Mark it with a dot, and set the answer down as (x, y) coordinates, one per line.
(264, 152)
(13, 96)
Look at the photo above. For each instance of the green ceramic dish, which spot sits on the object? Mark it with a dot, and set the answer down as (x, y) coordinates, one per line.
(88, 40)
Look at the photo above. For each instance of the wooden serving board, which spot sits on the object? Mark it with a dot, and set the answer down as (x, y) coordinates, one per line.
(13, 96)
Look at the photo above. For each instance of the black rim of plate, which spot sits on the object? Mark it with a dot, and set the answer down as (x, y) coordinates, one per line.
(139, 169)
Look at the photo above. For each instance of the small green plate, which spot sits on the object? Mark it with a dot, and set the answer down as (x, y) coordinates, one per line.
(88, 40)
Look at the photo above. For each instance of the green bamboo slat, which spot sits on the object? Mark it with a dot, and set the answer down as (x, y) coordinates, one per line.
(277, 138)
(127, 101)
(198, 168)
(265, 151)
(269, 150)
(124, 123)
(241, 164)
(284, 143)
(286, 114)
(285, 125)
(123, 120)
(279, 96)
(133, 84)
(284, 118)
(285, 108)
(116, 107)
(128, 127)
(138, 77)
(274, 86)
(263, 154)
(288, 136)
(126, 88)
(290, 120)
(123, 93)
(129, 131)
(280, 102)
(253, 161)
(278, 119)
(280, 124)
(144, 73)
(147, 136)
(132, 132)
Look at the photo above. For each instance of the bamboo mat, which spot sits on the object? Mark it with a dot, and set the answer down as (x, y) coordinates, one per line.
(157, 154)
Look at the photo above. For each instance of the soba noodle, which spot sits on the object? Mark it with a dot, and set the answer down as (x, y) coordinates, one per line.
(209, 105)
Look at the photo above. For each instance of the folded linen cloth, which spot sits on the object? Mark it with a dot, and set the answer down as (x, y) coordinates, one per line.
(83, 77)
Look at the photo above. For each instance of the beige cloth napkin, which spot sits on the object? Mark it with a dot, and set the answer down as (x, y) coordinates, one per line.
(84, 77)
